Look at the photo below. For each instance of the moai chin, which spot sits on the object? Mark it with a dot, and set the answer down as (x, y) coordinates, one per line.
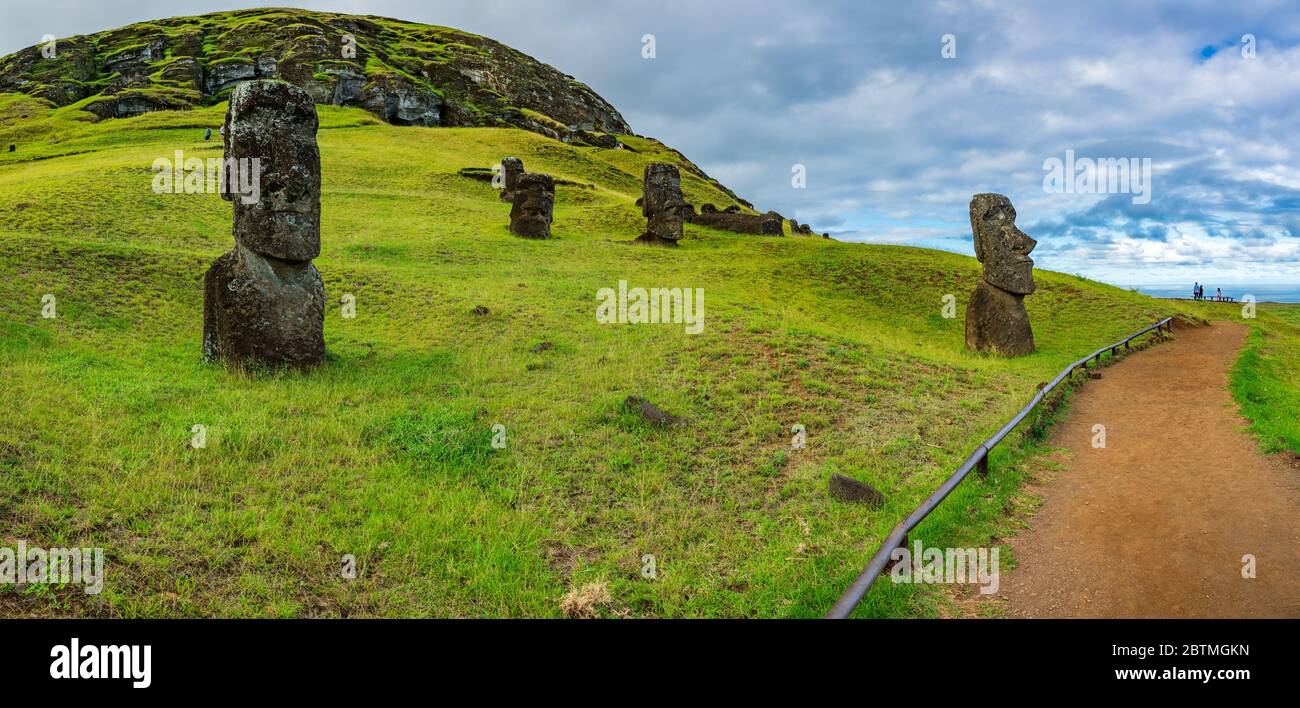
(264, 301)
(996, 320)
(533, 206)
(663, 205)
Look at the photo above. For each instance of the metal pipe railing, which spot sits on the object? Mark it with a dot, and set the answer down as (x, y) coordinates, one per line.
(977, 460)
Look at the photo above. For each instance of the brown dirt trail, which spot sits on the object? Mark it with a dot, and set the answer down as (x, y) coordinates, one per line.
(1156, 524)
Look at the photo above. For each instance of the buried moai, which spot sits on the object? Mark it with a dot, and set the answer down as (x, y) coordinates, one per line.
(264, 302)
(996, 320)
(532, 206)
(663, 205)
(512, 168)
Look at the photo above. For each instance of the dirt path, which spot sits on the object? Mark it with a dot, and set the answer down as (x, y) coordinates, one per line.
(1156, 523)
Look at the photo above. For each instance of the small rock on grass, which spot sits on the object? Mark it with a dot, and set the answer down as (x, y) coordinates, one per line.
(847, 489)
(651, 413)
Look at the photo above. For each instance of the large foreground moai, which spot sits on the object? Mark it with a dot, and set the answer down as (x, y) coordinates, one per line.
(996, 320)
(532, 205)
(264, 302)
(663, 205)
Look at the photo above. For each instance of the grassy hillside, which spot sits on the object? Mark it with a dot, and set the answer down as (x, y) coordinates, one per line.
(385, 452)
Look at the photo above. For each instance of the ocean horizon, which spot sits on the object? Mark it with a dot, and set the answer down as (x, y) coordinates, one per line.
(1262, 293)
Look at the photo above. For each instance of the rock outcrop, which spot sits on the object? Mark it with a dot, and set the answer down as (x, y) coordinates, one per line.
(532, 207)
(768, 224)
(996, 319)
(663, 205)
(404, 73)
(264, 301)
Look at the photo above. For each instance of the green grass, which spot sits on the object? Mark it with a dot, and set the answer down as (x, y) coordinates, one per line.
(385, 452)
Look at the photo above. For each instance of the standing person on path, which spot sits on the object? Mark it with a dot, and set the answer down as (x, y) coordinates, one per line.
(1196, 291)
(1218, 294)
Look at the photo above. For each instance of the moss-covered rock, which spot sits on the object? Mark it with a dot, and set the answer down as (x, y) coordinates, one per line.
(405, 73)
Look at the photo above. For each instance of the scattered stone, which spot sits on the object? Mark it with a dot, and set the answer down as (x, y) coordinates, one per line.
(13, 148)
(651, 413)
(543, 347)
(826, 235)
(759, 224)
(847, 489)
(663, 206)
(264, 301)
(533, 206)
(996, 320)
(480, 311)
(733, 209)
(481, 174)
(708, 209)
(512, 168)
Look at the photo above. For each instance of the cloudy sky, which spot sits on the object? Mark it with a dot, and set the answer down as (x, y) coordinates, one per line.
(896, 132)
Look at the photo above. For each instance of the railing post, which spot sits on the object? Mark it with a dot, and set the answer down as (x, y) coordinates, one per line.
(982, 467)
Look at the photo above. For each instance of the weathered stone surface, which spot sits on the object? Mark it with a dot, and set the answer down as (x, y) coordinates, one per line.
(708, 209)
(533, 206)
(275, 123)
(512, 168)
(663, 205)
(770, 224)
(264, 301)
(996, 322)
(1001, 246)
(757, 224)
(265, 311)
(850, 490)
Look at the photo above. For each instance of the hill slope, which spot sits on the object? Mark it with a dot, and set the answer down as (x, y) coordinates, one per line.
(405, 73)
(386, 452)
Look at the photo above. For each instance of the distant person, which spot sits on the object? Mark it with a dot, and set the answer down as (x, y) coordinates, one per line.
(1218, 293)
(1196, 291)
(207, 134)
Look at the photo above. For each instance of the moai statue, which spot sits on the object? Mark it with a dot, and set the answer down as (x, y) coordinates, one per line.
(264, 302)
(663, 205)
(512, 168)
(996, 320)
(532, 210)
(770, 224)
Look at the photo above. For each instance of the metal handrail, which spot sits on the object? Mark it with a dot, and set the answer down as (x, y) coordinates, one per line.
(977, 460)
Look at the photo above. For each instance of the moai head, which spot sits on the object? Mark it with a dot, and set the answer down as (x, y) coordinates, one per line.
(664, 206)
(271, 148)
(770, 224)
(1000, 245)
(533, 206)
(512, 168)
